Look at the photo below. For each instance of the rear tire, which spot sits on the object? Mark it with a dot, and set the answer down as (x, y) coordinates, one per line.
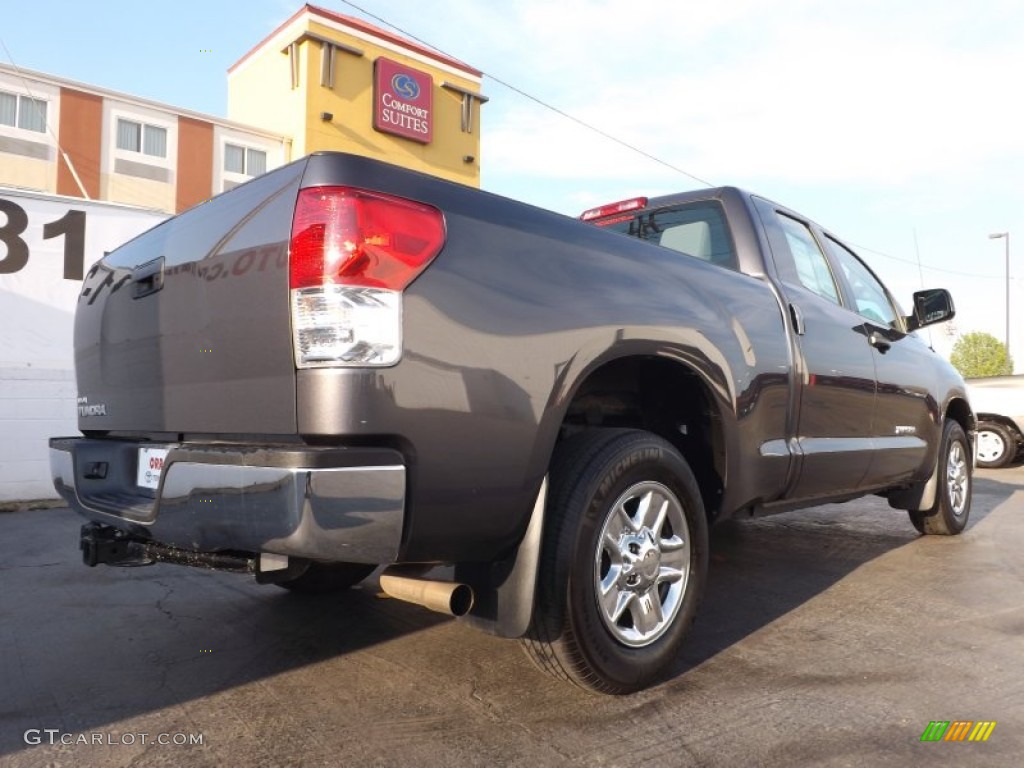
(623, 561)
(328, 578)
(996, 445)
(948, 516)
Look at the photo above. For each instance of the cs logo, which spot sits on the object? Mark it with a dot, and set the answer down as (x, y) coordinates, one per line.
(405, 87)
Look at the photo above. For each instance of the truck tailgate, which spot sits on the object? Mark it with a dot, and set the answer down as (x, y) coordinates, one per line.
(186, 329)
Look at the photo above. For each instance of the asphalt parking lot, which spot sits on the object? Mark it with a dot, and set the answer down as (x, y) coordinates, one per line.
(829, 637)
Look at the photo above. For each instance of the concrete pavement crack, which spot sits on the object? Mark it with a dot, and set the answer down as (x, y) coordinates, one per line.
(160, 601)
(29, 565)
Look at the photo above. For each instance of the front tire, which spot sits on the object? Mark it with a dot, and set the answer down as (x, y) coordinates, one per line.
(996, 445)
(948, 515)
(623, 561)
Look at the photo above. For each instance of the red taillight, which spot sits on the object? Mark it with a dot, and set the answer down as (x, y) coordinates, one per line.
(354, 237)
(633, 204)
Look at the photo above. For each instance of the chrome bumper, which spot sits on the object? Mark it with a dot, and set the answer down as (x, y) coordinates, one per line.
(344, 505)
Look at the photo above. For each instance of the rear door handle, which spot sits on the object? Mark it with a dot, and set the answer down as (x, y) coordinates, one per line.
(148, 278)
(798, 319)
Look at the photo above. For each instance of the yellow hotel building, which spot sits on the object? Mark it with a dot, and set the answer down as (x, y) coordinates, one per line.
(330, 81)
(320, 81)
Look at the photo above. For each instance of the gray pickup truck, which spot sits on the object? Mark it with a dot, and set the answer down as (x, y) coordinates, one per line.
(344, 364)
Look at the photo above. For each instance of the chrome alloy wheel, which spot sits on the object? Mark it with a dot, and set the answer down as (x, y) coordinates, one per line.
(957, 478)
(642, 563)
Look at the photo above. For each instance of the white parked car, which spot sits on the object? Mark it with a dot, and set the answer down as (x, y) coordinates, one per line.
(998, 403)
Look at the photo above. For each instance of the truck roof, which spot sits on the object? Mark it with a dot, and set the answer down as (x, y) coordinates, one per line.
(638, 203)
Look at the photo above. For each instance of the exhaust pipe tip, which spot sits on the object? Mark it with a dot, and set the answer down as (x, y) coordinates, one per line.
(461, 600)
(450, 598)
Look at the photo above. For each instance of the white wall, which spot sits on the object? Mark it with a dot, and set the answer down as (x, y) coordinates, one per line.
(35, 405)
(37, 305)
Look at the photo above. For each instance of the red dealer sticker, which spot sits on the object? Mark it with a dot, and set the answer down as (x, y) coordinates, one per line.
(403, 101)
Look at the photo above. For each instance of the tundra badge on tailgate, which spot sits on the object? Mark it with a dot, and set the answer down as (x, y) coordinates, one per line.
(96, 409)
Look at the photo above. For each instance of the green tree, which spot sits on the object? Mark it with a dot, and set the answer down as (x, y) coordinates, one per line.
(981, 354)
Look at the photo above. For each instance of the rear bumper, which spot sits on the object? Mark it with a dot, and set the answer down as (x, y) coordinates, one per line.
(337, 504)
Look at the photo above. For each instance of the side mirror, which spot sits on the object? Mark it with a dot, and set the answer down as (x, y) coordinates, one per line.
(932, 306)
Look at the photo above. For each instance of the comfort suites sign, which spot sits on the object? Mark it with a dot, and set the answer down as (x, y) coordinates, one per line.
(403, 101)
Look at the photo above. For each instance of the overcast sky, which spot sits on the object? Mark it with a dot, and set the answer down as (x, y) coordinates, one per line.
(881, 119)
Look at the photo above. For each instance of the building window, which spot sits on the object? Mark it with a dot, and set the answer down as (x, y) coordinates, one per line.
(234, 159)
(129, 136)
(248, 162)
(255, 162)
(154, 141)
(8, 109)
(22, 112)
(137, 137)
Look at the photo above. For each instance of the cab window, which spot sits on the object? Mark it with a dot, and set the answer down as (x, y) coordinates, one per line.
(696, 229)
(869, 295)
(809, 263)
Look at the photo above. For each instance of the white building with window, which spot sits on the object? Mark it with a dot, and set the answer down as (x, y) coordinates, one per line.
(237, 158)
(59, 136)
(28, 150)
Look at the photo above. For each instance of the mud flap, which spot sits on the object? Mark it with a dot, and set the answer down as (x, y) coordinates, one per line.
(505, 589)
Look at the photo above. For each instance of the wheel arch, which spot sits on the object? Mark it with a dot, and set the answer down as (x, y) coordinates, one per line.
(606, 393)
(672, 398)
(1004, 421)
(960, 411)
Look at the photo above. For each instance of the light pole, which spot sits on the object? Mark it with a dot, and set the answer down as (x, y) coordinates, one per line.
(1005, 236)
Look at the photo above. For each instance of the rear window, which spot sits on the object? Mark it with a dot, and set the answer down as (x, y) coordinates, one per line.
(696, 229)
